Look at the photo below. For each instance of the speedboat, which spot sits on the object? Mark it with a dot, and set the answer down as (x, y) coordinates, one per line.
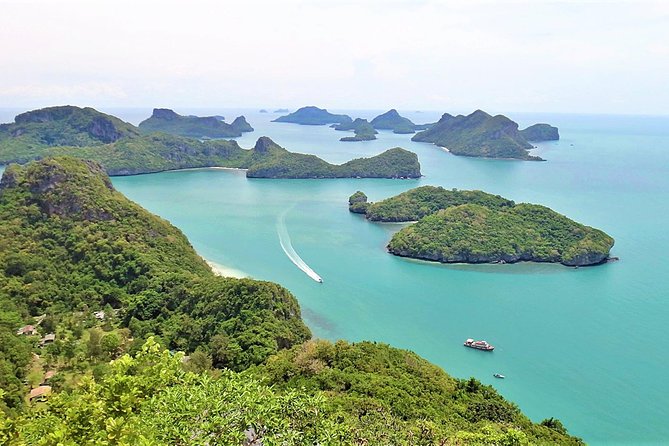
(499, 375)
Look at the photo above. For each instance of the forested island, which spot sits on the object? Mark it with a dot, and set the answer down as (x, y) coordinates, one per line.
(269, 160)
(111, 317)
(311, 115)
(454, 226)
(392, 120)
(123, 150)
(167, 121)
(480, 135)
(540, 132)
(361, 127)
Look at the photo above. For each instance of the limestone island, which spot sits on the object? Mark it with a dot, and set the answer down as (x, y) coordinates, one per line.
(454, 226)
(269, 160)
(123, 150)
(311, 115)
(540, 132)
(167, 121)
(478, 135)
(281, 110)
(392, 120)
(361, 127)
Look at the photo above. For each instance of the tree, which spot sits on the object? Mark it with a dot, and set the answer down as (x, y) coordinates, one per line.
(93, 347)
(110, 344)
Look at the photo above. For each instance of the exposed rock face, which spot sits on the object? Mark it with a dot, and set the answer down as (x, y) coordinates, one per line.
(68, 126)
(104, 130)
(589, 259)
(357, 203)
(264, 144)
(240, 124)
(58, 189)
(9, 177)
(164, 113)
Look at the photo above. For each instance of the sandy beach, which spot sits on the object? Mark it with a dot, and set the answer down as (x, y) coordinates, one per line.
(221, 270)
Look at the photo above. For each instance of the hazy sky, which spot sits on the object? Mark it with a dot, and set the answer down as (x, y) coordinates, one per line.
(562, 56)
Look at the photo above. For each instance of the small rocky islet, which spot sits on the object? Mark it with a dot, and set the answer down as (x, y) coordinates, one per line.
(455, 226)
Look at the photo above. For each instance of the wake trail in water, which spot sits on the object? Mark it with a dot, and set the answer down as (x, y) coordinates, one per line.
(287, 247)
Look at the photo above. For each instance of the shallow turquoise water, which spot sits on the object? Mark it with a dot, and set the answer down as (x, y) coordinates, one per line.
(586, 345)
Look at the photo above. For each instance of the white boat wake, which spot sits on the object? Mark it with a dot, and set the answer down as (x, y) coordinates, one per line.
(287, 247)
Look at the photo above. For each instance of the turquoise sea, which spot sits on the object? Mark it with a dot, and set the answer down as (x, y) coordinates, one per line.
(587, 345)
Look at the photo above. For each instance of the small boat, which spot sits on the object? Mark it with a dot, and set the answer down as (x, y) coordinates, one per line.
(499, 375)
(479, 345)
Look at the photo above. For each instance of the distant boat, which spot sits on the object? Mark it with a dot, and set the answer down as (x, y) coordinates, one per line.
(499, 375)
(479, 345)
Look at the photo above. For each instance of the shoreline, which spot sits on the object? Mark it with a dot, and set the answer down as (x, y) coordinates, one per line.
(225, 271)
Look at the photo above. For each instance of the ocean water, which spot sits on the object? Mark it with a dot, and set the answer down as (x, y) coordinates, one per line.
(584, 345)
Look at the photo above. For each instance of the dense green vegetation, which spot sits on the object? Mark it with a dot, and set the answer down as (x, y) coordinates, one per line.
(269, 160)
(477, 227)
(319, 393)
(311, 115)
(157, 152)
(167, 121)
(472, 233)
(393, 397)
(363, 130)
(415, 204)
(478, 134)
(72, 245)
(541, 132)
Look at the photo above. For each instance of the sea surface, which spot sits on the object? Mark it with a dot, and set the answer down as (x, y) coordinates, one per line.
(587, 346)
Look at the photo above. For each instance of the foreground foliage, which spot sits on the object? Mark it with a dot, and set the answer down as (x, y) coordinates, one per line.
(341, 394)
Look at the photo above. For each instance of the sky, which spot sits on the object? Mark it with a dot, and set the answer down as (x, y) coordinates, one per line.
(525, 56)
